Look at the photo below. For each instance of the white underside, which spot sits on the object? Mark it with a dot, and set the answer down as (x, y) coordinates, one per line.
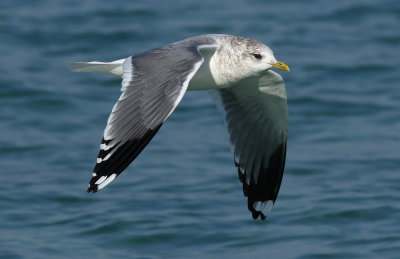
(203, 78)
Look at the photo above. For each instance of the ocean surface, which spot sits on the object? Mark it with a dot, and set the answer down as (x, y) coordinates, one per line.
(340, 195)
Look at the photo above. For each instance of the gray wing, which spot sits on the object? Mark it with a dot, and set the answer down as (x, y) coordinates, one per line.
(154, 82)
(257, 119)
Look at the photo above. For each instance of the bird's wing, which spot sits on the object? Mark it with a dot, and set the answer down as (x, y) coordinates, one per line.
(154, 82)
(257, 119)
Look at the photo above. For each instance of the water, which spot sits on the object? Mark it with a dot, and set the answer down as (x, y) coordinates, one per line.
(181, 198)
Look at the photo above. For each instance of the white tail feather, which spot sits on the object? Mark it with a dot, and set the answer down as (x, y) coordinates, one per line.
(111, 68)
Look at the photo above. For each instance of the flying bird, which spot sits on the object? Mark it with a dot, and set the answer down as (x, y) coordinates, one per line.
(237, 71)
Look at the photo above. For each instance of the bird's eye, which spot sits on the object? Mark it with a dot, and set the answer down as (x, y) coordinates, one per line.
(257, 56)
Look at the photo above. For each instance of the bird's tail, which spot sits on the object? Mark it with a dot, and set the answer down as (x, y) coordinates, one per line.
(111, 68)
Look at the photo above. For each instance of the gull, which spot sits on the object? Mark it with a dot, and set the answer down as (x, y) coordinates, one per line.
(237, 71)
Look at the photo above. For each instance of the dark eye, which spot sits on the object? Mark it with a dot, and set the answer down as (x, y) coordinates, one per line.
(257, 56)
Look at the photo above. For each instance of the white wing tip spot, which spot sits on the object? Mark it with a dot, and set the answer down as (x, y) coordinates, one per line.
(99, 160)
(266, 207)
(256, 205)
(104, 147)
(107, 156)
(100, 180)
(106, 181)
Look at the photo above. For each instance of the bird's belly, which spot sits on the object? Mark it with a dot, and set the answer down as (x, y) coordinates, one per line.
(203, 79)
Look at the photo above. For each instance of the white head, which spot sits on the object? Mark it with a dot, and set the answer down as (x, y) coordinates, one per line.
(238, 58)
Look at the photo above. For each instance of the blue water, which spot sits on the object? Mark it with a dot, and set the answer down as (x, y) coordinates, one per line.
(182, 198)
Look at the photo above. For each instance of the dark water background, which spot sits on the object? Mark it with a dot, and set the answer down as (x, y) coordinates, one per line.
(340, 196)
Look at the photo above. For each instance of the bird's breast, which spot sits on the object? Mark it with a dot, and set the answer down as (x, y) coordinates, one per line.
(203, 79)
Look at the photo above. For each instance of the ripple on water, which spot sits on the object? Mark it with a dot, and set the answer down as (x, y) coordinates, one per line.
(181, 198)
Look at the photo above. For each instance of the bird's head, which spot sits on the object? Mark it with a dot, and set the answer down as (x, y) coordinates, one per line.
(258, 57)
(240, 58)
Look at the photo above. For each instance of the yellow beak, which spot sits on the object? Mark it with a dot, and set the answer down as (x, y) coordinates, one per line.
(280, 65)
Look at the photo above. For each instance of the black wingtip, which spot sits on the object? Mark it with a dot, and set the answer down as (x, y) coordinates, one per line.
(255, 213)
(92, 188)
(266, 188)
